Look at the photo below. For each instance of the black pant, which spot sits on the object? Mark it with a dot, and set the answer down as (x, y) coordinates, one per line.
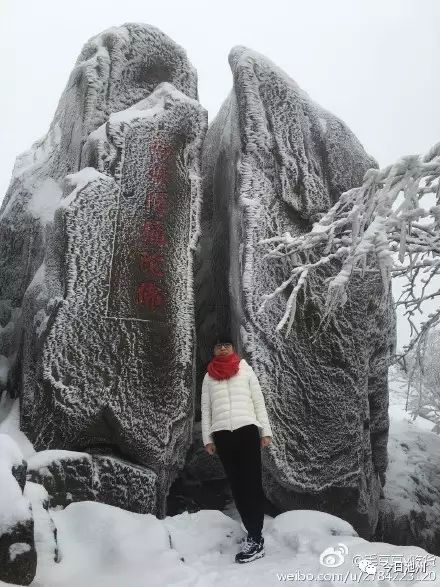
(240, 453)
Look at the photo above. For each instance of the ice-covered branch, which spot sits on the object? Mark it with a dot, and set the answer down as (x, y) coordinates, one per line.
(388, 221)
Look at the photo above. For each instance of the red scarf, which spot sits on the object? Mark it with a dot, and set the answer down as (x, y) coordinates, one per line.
(223, 367)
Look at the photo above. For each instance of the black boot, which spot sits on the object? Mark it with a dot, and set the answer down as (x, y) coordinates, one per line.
(251, 549)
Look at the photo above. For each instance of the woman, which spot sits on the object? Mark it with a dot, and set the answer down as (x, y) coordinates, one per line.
(235, 424)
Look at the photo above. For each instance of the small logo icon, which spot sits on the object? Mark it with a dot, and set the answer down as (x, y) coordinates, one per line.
(366, 566)
(333, 557)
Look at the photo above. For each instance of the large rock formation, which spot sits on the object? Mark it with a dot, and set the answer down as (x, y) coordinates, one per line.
(101, 340)
(98, 232)
(114, 70)
(273, 161)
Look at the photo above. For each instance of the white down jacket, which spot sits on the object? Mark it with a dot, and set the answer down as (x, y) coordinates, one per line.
(229, 404)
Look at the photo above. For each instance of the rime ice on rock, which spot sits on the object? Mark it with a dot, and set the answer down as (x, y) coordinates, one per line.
(114, 70)
(70, 476)
(273, 160)
(99, 293)
(109, 360)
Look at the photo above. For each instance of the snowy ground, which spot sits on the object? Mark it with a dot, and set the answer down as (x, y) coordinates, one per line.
(101, 545)
(106, 546)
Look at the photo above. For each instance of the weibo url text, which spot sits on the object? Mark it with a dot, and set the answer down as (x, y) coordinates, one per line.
(353, 576)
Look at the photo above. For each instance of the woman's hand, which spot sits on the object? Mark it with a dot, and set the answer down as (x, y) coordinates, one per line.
(265, 441)
(210, 448)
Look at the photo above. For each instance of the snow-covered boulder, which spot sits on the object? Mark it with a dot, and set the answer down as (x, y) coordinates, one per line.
(273, 161)
(101, 545)
(70, 476)
(18, 559)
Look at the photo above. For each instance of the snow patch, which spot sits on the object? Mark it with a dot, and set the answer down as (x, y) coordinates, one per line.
(45, 458)
(44, 528)
(10, 424)
(77, 181)
(45, 200)
(17, 549)
(14, 507)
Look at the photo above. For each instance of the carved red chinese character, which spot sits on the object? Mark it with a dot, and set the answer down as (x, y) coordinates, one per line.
(154, 232)
(159, 204)
(159, 149)
(159, 172)
(152, 262)
(149, 294)
(156, 203)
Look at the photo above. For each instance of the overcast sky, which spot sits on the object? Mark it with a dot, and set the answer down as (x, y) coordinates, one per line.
(373, 63)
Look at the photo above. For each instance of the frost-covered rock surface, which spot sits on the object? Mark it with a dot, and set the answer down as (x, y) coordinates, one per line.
(97, 233)
(114, 70)
(69, 476)
(273, 160)
(18, 559)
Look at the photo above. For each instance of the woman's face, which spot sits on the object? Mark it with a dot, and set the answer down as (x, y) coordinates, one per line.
(223, 349)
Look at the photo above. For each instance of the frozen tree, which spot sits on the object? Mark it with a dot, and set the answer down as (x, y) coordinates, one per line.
(423, 392)
(387, 221)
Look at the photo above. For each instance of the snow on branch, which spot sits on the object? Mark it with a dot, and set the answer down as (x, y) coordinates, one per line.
(382, 220)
